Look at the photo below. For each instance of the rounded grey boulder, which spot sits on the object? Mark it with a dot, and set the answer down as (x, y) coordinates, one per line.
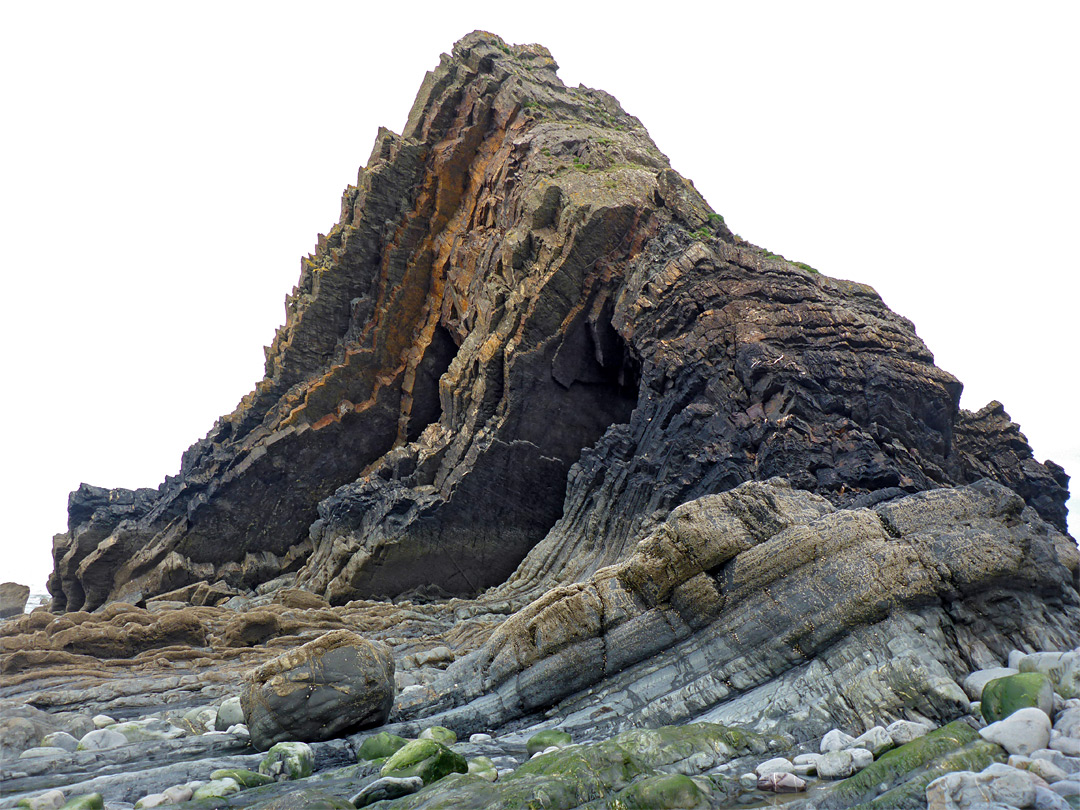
(339, 682)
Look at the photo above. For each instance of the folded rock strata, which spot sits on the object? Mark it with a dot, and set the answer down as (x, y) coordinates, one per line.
(528, 334)
(768, 607)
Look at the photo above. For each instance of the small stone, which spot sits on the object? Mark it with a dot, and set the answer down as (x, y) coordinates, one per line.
(1062, 668)
(1022, 732)
(91, 801)
(44, 751)
(1046, 769)
(380, 746)
(836, 740)
(216, 789)
(1066, 787)
(1068, 722)
(1066, 763)
(1015, 657)
(835, 765)
(748, 780)
(479, 738)
(427, 759)
(244, 778)
(101, 739)
(860, 758)
(178, 793)
(546, 739)
(200, 719)
(1066, 745)
(904, 731)
(147, 730)
(998, 784)
(387, 788)
(876, 740)
(484, 768)
(1003, 696)
(287, 761)
(49, 800)
(60, 739)
(439, 734)
(1009, 785)
(229, 714)
(781, 782)
(103, 721)
(152, 800)
(973, 684)
(775, 765)
(1046, 799)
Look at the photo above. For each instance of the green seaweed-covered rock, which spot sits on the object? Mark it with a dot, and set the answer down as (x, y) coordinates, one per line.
(1003, 696)
(246, 779)
(287, 761)
(380, 746)
(545, 739)
(308, 799)
(91, 801)
(664, 792)
(428, 759)
(216, 789)
(898, 779)
(484, 768)
(439, 734)
(593, 774)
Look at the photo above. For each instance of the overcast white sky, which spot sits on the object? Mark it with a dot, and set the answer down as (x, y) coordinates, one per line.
(165, 167)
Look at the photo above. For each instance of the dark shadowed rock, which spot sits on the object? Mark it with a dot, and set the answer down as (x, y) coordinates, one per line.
(338, 683)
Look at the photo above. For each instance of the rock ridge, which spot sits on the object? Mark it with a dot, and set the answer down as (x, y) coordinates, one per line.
(525, 342)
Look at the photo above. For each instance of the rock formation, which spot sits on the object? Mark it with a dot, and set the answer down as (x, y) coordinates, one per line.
(526, 327)
(631, 481)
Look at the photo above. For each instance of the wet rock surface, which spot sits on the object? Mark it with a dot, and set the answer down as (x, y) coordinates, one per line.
(567, 492)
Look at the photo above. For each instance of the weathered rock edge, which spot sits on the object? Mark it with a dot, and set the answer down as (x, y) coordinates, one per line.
(527, 326)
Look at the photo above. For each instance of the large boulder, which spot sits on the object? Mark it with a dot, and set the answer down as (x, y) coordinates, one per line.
(13, 598)
(338, 683)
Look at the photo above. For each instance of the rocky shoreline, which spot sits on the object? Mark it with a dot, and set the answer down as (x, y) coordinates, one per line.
(559, 494)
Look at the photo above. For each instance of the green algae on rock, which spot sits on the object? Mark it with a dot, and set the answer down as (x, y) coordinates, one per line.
(428, 759)
(1003, 696)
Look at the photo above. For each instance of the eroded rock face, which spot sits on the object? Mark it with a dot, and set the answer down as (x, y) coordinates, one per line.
(525, 342)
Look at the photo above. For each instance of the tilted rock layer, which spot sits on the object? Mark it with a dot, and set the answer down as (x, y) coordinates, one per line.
(526, 341)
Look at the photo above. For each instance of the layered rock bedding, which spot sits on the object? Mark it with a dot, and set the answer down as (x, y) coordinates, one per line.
(559, 494)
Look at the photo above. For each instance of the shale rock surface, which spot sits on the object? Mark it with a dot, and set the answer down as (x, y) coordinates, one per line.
(527, 333)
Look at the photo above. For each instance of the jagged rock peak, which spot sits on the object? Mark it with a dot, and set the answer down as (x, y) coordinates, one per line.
(527, 340)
